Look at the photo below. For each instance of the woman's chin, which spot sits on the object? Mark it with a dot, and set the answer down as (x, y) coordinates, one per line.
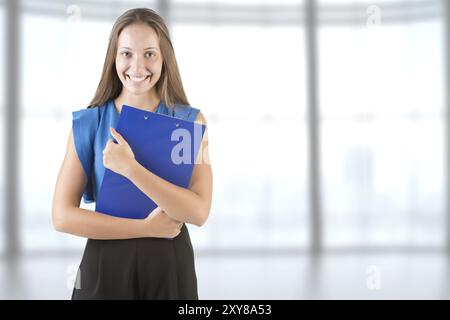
(138, 91)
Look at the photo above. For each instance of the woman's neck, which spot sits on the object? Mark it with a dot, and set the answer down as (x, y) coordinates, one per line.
(147, 102)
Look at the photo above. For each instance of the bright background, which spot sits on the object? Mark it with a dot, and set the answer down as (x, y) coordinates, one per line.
(328, 140)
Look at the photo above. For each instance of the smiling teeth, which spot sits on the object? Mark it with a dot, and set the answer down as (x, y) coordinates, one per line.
(137, 78)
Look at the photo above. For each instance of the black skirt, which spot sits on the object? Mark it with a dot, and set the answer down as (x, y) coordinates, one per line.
(143, 268)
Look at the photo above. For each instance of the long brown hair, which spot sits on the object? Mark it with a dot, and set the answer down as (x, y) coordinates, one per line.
(169, 86)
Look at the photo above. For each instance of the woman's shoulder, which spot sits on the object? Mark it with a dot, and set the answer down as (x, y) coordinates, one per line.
(90, 112)
(85, 122)
(185, 112)
(90, 116)
(87, 114)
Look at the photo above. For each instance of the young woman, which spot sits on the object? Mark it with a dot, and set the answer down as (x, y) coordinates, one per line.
(132, 258)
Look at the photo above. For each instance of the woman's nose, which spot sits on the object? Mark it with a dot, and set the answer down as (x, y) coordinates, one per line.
(137, 65)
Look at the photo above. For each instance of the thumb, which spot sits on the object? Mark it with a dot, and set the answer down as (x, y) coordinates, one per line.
(117, 136)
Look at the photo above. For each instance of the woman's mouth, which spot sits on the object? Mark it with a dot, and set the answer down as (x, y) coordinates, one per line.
(137, 79)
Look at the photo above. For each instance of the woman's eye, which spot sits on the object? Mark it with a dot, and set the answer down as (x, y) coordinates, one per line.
(149, 54)
(125, 54)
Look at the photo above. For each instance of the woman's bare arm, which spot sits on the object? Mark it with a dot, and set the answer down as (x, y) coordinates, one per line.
(68, 217)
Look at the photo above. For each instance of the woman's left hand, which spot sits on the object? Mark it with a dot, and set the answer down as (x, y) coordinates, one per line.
(118, 157)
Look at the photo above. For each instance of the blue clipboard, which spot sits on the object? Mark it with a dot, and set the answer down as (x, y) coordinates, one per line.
(166, 146)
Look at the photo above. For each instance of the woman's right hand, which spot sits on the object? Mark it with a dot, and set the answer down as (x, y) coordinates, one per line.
(159, 225)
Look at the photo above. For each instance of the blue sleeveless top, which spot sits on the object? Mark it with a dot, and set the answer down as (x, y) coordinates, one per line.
(91, 133)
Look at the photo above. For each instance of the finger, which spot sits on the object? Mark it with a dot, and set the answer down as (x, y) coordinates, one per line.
(117, 136)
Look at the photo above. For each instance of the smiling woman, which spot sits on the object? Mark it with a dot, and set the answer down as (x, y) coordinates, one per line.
(140, 59)
(150, 258)
(138, 65)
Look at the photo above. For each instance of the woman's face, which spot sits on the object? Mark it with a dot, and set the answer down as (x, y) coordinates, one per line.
(138, 59)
